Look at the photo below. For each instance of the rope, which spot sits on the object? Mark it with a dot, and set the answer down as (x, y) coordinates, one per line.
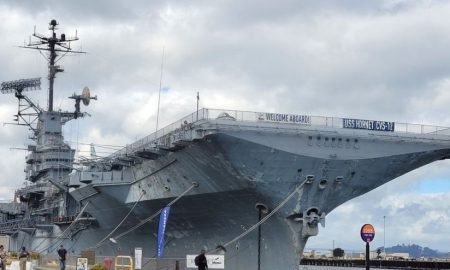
(64, 232)
(154, 215)
(23, 240)
(40, 244)
(268, 216)
(75, 242)
(120, 223)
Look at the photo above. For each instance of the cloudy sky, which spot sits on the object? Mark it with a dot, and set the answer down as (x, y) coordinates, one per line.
(385, 60)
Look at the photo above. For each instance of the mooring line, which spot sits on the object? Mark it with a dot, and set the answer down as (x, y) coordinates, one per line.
(64, 232)
(266, 217)
(194, 185)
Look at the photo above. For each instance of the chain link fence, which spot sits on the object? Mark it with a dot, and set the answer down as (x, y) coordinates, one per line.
(51, 261)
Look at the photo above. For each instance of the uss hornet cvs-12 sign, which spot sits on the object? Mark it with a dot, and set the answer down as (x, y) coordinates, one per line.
(368, 124)
(285, 118)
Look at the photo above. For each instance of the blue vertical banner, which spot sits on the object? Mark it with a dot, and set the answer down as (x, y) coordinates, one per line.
(162, 229)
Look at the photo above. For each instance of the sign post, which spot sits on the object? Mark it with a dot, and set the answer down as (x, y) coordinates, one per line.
(367, 235)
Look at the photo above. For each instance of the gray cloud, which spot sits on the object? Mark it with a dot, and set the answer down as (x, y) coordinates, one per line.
(411, 216)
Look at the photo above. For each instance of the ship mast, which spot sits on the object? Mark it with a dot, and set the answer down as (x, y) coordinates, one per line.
(53, 45)
(52, 70)
(49, 160)
(56, 47)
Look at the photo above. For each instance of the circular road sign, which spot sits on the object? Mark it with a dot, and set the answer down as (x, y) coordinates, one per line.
(367, 233)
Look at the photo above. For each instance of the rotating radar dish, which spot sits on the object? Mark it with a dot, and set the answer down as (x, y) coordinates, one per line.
(86, 96)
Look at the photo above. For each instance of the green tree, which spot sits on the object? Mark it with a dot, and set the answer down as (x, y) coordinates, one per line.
(338, 252)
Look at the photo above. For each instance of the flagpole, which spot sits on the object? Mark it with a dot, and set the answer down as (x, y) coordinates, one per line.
(198, 99)
(159, 93)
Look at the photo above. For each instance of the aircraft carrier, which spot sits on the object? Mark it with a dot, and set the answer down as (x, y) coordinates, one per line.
(252, 186)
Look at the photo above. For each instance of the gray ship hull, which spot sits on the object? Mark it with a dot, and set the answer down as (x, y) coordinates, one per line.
(235, 171)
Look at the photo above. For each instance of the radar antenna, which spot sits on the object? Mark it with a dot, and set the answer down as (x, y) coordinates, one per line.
(85, 97)
(28, 112)
(53, 45)
(19, 86)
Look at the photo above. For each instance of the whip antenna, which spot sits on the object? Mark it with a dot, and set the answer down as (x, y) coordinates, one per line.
(159, 93)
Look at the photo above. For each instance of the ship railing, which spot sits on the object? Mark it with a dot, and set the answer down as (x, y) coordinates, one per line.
(63, 219)
(294, 119)
(182, 124)
(324, 121)
(12, 207)
(38, 187)
(16, 224)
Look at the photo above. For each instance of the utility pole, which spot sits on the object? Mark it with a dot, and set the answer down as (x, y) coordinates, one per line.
(384, 236)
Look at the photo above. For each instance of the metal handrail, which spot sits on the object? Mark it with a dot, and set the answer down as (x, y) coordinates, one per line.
(34, 187)
(330, 122)
(249, 116)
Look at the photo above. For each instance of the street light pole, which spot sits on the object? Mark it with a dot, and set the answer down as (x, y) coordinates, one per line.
(262, 209)
(384, 236)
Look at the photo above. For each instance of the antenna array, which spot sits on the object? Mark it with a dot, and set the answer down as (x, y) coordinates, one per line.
(21, 85)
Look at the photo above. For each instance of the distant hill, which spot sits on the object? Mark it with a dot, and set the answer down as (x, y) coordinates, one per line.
(416, 251)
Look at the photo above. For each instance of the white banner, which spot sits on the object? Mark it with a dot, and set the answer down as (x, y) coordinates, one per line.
(138, 258)
(285, 118)
(214, 261)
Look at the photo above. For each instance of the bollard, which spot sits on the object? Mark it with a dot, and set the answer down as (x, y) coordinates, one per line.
(177, 265)
(107, 261)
